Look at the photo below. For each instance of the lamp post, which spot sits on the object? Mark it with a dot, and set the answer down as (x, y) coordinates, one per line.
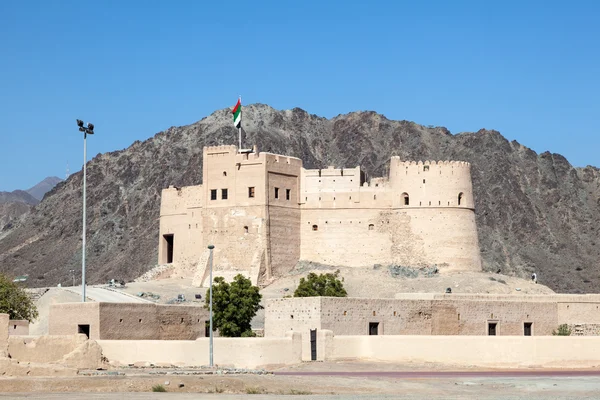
(86, 130)
(210, 261)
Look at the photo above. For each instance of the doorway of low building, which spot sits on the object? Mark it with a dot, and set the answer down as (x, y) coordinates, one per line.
(527, 328)
(313, 345)
(374, 328)
(84, 329)
(206, 328)
(169, 241)
(492, 328)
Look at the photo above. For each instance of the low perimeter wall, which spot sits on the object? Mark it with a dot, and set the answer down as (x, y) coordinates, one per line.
(68, 350)
(484, 351)
(239, 352)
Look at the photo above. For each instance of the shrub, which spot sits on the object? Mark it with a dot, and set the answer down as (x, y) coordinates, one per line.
(563, 330)
(321, 285)
(158, 388)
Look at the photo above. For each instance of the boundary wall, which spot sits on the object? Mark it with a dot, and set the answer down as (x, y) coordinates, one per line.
(481, 351)
(239, 352)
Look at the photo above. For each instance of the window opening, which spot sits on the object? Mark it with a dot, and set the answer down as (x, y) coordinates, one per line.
(423, 180)
(251, 191)
(224, 173)
(492, 328)
(224, 194)
(315, 227)
(406, 199)
(213, 194)
(371, 227)
(460, 196)
(288, 193)
(84, 329)
(425, 167)
(276, 192)
(245, 229)
(527, 328)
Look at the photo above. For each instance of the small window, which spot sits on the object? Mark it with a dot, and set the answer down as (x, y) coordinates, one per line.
(223, 194)
(276, 193)
(288, 193)
(315, 227)
(251, 191)
(371, 227)
(406, 199)
(460, 196)
(213, 194)
(140, 320)
(527, 328)
(121, 320)
(374, 197)
(425, 167)
(224, 173)
(423, 180)
(245, 229)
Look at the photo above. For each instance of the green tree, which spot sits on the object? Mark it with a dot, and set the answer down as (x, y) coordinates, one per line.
(321, 285)
(563, 330)
(234, 306)
(14, 301)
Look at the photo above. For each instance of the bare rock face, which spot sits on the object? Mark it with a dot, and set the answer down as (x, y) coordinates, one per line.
(534, 212)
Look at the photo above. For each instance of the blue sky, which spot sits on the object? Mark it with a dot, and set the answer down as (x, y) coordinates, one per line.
(529, 69)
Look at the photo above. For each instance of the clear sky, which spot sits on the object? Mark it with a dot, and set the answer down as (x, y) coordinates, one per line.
(529, 69)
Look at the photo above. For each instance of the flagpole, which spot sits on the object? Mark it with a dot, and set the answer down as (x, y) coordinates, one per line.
(240, 128)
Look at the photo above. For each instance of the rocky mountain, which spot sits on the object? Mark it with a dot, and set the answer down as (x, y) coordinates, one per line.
(39, 190)
(18, 196)
(534, 211)
(14, 205)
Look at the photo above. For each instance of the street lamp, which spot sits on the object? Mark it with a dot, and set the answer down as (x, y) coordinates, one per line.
(210, 261)
(86, 130)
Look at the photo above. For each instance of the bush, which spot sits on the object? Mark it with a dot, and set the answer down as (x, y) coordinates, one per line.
(234, 306)
(563, 330)
(158, 388)
(321, 285)
(15, 302)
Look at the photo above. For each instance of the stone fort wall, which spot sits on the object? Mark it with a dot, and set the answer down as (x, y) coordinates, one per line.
(264, 213)
(426, 314)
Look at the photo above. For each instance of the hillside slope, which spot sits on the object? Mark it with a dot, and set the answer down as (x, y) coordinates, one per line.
(534, 212)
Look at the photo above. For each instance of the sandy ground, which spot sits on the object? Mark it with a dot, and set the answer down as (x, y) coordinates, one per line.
(454, 386)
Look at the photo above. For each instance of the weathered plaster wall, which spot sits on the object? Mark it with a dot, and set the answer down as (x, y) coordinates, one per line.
(4, 318)
(483, 351)
(129, 321)
(433, 314)
(18, 327)
(64, 318)
(239, 352)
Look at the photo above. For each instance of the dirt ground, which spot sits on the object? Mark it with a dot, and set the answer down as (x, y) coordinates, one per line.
(382, 382)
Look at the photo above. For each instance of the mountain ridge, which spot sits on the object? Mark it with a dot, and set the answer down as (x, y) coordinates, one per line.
(535, 212)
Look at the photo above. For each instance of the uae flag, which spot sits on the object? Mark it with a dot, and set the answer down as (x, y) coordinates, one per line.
(237, 114)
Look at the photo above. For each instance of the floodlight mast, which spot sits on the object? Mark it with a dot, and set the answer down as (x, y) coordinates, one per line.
(86, 130)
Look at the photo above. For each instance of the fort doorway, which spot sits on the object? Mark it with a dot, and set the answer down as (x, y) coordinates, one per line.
(206, 328)
(373, 328)
(492, 328)
(313, 345)
(85, 329)
(169, 240)
(527, 328)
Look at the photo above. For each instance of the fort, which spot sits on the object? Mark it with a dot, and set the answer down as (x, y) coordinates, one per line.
(264, 212)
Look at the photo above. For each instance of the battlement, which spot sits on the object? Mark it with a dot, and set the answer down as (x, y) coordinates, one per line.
(211, 150)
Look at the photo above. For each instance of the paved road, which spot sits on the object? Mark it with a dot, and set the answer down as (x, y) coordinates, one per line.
(450, 374)
(105, 295)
